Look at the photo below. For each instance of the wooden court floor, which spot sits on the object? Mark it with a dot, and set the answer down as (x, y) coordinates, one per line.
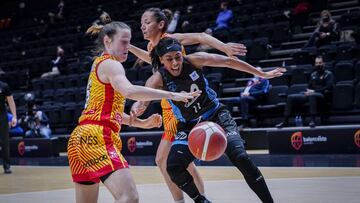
(224, 184)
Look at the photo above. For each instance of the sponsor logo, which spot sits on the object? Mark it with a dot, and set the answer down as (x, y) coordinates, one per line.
(296, 140)
(21, 148)
(131, 144)
(312, 140)
(118, 117)
(142, 144)
(181, 135)
(194, 76)
(113, 155)
(171, 86)
(89, 112)
(97, 160)
(88, 140)
(357, 138)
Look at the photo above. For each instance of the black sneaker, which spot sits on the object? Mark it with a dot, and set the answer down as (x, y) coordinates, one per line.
(281, 125)
(201, 199)
(7, 170)
(312, 124)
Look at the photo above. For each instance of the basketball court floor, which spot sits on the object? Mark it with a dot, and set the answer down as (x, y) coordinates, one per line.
(291, 178)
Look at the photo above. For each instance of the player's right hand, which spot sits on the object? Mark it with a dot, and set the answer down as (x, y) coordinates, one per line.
(185, 96)
(137, 109)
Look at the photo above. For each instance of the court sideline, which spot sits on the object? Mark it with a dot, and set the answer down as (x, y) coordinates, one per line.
(223, 184)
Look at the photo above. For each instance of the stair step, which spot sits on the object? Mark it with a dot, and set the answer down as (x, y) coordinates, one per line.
(284, 52)
(293, 44)
(302, 36)
(344, 4)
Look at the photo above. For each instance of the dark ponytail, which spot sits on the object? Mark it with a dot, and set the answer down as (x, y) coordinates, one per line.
(155, 60)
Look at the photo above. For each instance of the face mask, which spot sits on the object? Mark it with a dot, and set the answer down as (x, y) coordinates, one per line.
(320, 68)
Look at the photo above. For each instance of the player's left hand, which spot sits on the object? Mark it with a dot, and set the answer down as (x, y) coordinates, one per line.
(277, 72)
(235, 49)
(13, 122)
(154, 121)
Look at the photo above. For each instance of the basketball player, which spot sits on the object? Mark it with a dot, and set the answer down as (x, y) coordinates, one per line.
(184, 73)
(94, 146)
(154, 23)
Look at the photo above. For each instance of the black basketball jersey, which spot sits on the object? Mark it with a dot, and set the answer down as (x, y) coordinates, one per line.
(189, 80)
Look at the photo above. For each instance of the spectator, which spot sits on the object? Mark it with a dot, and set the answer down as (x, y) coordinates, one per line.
(5, 95)
(58, 65)
(224, 17)
(173, 22)
(38, 123)
(299, 16)
(318, 94)
(15, 131)
(326, 32)
(59, 14)
(254, 93)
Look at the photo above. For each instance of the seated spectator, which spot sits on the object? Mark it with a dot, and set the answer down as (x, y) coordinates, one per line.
(318, 94)
(326, 32)
(15, 131)
(224, 17)
(58, 65)
(59, 13)
(173, 20)
(299, 16)
(254, 93)
(37, 123)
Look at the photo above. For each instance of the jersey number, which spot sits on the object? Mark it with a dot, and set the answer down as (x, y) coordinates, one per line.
(197, 107)
(193, 88)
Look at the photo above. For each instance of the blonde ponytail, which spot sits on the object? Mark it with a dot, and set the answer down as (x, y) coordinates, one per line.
(94, 30)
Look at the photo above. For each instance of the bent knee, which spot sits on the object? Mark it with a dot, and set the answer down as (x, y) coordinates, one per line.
(160, 161)
(132, 197)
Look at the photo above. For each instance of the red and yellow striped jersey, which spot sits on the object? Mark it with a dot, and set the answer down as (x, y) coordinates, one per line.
(103, 104)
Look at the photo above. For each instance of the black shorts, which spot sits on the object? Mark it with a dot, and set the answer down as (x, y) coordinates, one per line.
(221, 116)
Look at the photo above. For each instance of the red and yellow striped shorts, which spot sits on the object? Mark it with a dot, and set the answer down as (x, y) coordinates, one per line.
(94, 151)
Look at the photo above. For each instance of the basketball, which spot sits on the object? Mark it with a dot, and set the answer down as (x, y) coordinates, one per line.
(207, 141)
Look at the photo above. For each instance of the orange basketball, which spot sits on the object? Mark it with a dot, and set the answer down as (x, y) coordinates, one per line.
(207, 141)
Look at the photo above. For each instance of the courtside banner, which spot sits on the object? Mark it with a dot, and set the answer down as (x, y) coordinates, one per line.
(34, 147)
(327, 140)
(140, 143)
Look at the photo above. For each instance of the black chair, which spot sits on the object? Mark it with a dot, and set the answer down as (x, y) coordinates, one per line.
(357, 96)
(297, 88)
(298, 76)
(344, 71)
(275, 99)
(343, 97)
(345, 51)
(258, 50)
(357, 72)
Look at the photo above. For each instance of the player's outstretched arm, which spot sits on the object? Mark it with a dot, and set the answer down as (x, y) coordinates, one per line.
(230, 49)
(114, 73)
(153, 121)
(140, 53)
(201, 59)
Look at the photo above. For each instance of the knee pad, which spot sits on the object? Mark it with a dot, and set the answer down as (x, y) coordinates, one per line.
(242, 161)
(178, 172)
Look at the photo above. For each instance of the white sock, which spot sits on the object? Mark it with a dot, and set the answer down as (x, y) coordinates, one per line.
(180, 201)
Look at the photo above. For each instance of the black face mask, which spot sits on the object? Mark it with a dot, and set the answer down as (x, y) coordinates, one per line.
(326, 19)
(320, 68)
